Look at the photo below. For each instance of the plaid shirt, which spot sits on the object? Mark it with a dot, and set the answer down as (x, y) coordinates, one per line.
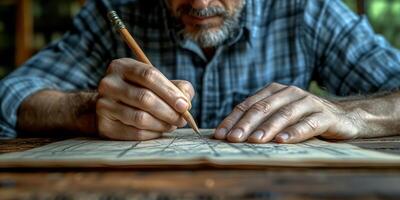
(290, 42)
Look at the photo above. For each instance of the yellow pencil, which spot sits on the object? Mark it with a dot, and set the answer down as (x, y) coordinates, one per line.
(120, 26)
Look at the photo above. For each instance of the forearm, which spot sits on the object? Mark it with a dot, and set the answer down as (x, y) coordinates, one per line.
(48, 111)
(375, 116)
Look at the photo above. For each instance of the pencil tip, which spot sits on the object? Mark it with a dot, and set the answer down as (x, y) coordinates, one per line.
(191, 122)
(194, 126)
(196, 129)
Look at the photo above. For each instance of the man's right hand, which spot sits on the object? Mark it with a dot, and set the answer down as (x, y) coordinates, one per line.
(137, 102)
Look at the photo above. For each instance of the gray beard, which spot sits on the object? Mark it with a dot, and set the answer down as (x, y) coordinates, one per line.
(206, 38)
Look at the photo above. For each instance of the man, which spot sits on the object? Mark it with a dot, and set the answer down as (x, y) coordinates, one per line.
(225, 50)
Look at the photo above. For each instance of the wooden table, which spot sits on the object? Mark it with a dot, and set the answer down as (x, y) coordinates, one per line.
(201, 183)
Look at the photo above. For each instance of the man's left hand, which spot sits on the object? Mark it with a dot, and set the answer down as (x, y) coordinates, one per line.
(287, 114)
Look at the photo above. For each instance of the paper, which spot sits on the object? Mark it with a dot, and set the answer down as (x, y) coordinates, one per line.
(184, 147)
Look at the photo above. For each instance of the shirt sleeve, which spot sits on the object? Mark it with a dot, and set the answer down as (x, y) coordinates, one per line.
(76, 62)
(349, 57)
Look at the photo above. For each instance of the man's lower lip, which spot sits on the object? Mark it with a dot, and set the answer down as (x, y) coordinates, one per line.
(202, 18)
(199, 19)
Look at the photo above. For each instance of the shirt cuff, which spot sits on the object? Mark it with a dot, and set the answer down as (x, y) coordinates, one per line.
(13, 91)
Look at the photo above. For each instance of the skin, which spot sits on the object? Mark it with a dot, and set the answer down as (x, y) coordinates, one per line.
(287, 114)
(213, 22)
(134, 101)
(192, 24)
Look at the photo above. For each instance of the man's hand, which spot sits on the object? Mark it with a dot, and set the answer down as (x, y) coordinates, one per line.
(286, 114)
(137, 102)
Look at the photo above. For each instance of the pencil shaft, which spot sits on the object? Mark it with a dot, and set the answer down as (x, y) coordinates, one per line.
(133, 45)
(143, 58)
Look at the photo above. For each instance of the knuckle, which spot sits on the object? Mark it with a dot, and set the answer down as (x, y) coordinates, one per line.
(275, 85)
(228, 122)
(115, 65)
(104, 86)
(294, 89)
(127, 60)
(144, 96)
(137, 117)
(149, 74)
(311, 99)
(243, 107)
(286, 113)
(312, 123)
(262, 106)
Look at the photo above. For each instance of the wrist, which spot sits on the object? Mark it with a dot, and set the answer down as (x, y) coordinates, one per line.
(366, 121)
(82, 116)
(355, 118)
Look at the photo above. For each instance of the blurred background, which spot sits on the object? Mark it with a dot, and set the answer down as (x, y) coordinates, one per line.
(26, 26)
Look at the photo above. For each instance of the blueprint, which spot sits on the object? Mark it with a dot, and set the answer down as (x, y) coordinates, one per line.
(184, 147)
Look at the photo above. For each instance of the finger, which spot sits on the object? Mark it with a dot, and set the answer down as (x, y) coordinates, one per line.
(139, 97)
(149, 77)
(187, 88)
(226, 125)
(309, 127)
(131, 116)
(283, 118)
(261, 111)
(113, 129)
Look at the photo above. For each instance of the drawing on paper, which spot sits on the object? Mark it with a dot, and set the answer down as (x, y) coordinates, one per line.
(185, 147)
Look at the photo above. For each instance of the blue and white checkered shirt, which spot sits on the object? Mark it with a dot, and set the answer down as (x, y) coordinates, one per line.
(286, 41)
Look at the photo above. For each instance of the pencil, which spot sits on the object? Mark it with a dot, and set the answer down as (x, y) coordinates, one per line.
(133, 45)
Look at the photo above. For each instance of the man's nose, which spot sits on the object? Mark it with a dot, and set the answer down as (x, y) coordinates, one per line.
(200, 4)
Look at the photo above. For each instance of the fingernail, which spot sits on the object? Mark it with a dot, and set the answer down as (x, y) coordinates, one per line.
(258, 135)
(283, 136)
(181, 105)
(221, 133)
(237, 133)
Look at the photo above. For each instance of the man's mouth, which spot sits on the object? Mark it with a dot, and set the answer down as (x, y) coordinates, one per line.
(195, 20)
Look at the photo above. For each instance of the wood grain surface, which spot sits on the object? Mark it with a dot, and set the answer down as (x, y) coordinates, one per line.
(201, 182)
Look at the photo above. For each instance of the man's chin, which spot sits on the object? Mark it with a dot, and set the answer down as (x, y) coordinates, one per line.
(195, 24)
(195, 30)
(206, 38)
